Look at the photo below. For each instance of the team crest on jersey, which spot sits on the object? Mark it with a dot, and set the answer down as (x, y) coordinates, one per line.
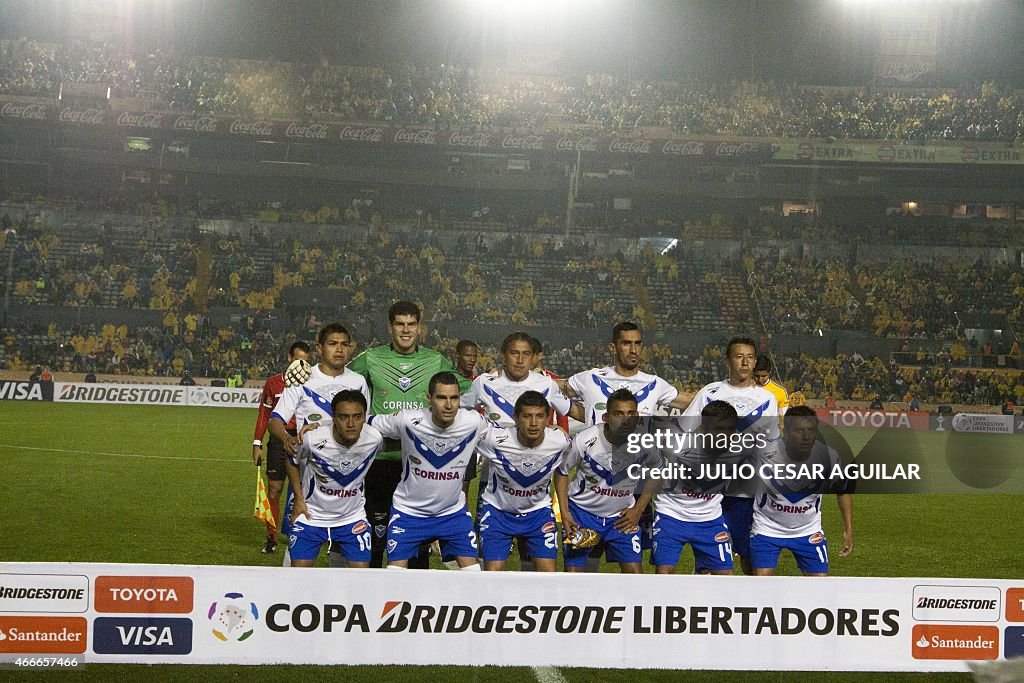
(404, 383)
(345, 464)
(380, 530)
(392, 544)
(442, 445)
(527, 465)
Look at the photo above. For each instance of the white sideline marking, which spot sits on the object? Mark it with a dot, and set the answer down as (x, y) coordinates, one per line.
(119, 455)
(548, 674)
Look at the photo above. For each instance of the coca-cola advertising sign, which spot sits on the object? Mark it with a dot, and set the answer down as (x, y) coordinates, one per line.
(415, 137)
(369, 134)
(469, 140)
(312, 131)
(196, 124)
(89, 116)
(576, 145)
(737, 149)
(135, 119)
(523, 142)
(259, 128)
(26, 112)
(685, 148)
(629, 146)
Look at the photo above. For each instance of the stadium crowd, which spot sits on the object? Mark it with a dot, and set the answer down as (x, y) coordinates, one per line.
(449, 96)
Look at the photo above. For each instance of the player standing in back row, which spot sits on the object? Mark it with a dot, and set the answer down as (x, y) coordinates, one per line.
(757, 412)
(398, 375)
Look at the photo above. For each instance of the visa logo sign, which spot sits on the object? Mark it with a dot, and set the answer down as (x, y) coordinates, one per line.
(142, 636)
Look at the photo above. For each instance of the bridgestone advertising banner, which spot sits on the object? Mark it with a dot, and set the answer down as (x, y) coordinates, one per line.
(255, 615)
(155, 394)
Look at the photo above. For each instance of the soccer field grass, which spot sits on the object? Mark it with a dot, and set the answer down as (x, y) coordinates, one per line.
(100, 483)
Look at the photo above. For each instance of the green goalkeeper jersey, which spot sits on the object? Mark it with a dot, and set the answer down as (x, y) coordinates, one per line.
(399, 381)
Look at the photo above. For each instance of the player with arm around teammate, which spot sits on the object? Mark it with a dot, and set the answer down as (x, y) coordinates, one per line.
(787, 509)
(516, 497)
(326, 477)
(436, 445)
(600, 495)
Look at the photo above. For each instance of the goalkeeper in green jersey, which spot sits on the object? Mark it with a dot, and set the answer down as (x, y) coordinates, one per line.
(398, 375)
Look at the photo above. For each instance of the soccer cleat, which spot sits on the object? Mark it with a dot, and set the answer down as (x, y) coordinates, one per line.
(270, 547)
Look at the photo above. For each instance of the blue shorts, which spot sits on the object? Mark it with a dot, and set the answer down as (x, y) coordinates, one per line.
(739, 514)
(498, 529)
(406, 533)
(712, 544)
(353, 540)
(811, 552)
(619, 547)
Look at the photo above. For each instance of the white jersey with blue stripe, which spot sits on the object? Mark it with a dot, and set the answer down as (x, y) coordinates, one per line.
(757, 411)
(497, 394)
(789, 506)
(519, 478)
(602, 484)
(332, 475)
(311, 402)
(434, 460)
(593, 387)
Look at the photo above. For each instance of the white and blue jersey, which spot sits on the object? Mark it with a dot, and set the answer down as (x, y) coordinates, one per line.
(593, 387)
(497, 395)
(331, 475)
(602, 484)
(331, 478)
(311, 402)
(434, 459)
(516, 498)
(787, 509)
(519, 479)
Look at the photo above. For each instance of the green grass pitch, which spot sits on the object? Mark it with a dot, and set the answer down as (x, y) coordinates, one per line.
(100, 483)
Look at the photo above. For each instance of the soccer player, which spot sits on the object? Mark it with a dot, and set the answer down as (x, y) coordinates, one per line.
(272, 390)
(466, 353)
(787, 511)
(398, 376)
(763, 378)
(538, 366)
(593, 387)
(436, 446)
(326, 479)
(689, 510)
(311, 402)
(758, 413)
(601, 493)
(516, 498)
(497, 391)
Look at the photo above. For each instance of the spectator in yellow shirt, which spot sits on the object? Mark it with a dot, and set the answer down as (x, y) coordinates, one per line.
(762, 376)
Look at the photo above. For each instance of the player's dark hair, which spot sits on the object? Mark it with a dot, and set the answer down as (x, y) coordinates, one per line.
(532, 399)
(445, 377)
(763, 363)
(536, 346)
(739, 341)
(621, 396)
(624, 326)
(801, 411)
(515, 337)
(719, 410)
(465, 344)
(403, 308)
(348, 396)
(329, 329)
(300, 345)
